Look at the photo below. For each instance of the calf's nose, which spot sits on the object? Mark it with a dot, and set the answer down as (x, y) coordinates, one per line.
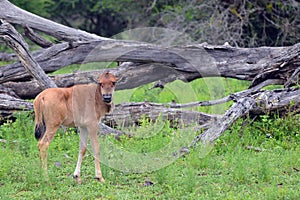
(107, 98)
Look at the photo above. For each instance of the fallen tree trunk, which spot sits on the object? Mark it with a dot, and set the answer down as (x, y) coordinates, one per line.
(10, 104)
(280, 68)
(262, 102)
(129, 114)
(128, 78)
(225, 61)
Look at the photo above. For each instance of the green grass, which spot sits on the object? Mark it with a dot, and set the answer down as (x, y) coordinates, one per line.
(229, 171)
(85, 67)
(3, 63)
(254, 159)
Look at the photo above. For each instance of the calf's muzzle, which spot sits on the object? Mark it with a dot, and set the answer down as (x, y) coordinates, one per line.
(107, 98)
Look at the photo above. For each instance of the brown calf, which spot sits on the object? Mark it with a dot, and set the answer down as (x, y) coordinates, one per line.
(81, 106)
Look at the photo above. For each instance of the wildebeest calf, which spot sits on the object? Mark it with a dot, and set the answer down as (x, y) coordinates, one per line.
(81, 106)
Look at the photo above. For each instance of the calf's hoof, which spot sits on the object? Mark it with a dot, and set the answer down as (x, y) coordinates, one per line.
(77, 179)
(100, 179)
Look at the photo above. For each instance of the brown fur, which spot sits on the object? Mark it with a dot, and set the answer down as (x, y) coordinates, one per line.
(81, 106)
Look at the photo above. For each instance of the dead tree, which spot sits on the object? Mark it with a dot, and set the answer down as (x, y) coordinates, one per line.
(144, 63)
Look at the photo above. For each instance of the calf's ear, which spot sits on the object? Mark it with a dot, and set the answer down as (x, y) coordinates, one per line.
(116, 80)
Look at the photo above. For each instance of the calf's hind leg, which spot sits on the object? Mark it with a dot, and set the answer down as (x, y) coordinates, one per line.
(44, 143)
(82, 149)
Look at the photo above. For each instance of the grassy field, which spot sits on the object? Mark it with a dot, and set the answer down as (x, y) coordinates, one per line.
(252, 160)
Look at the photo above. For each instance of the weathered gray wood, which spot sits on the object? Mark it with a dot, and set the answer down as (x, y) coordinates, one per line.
(8, 91)
(37, 39)
(258, 103)
(129, 77)
(8, 57)
(294, 78)
(16, 71)
(10, 104)
(285, 63)
(129, 114)
(238, 109)
(240, 63)
(15, 15)
(18, 44)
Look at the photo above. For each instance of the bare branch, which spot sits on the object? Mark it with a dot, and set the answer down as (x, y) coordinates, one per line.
(288, 83)
(260, 102)
(18, 44)
(36, 38)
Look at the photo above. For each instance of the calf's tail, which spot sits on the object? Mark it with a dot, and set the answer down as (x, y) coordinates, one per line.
(40, 126)
(39, 130)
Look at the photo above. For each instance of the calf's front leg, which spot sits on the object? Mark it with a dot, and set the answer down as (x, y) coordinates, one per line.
(93, 130)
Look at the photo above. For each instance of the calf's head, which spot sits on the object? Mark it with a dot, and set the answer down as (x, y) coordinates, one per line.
(107, 82)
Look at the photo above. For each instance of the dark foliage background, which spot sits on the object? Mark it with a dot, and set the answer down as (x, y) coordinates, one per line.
(245, 23)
